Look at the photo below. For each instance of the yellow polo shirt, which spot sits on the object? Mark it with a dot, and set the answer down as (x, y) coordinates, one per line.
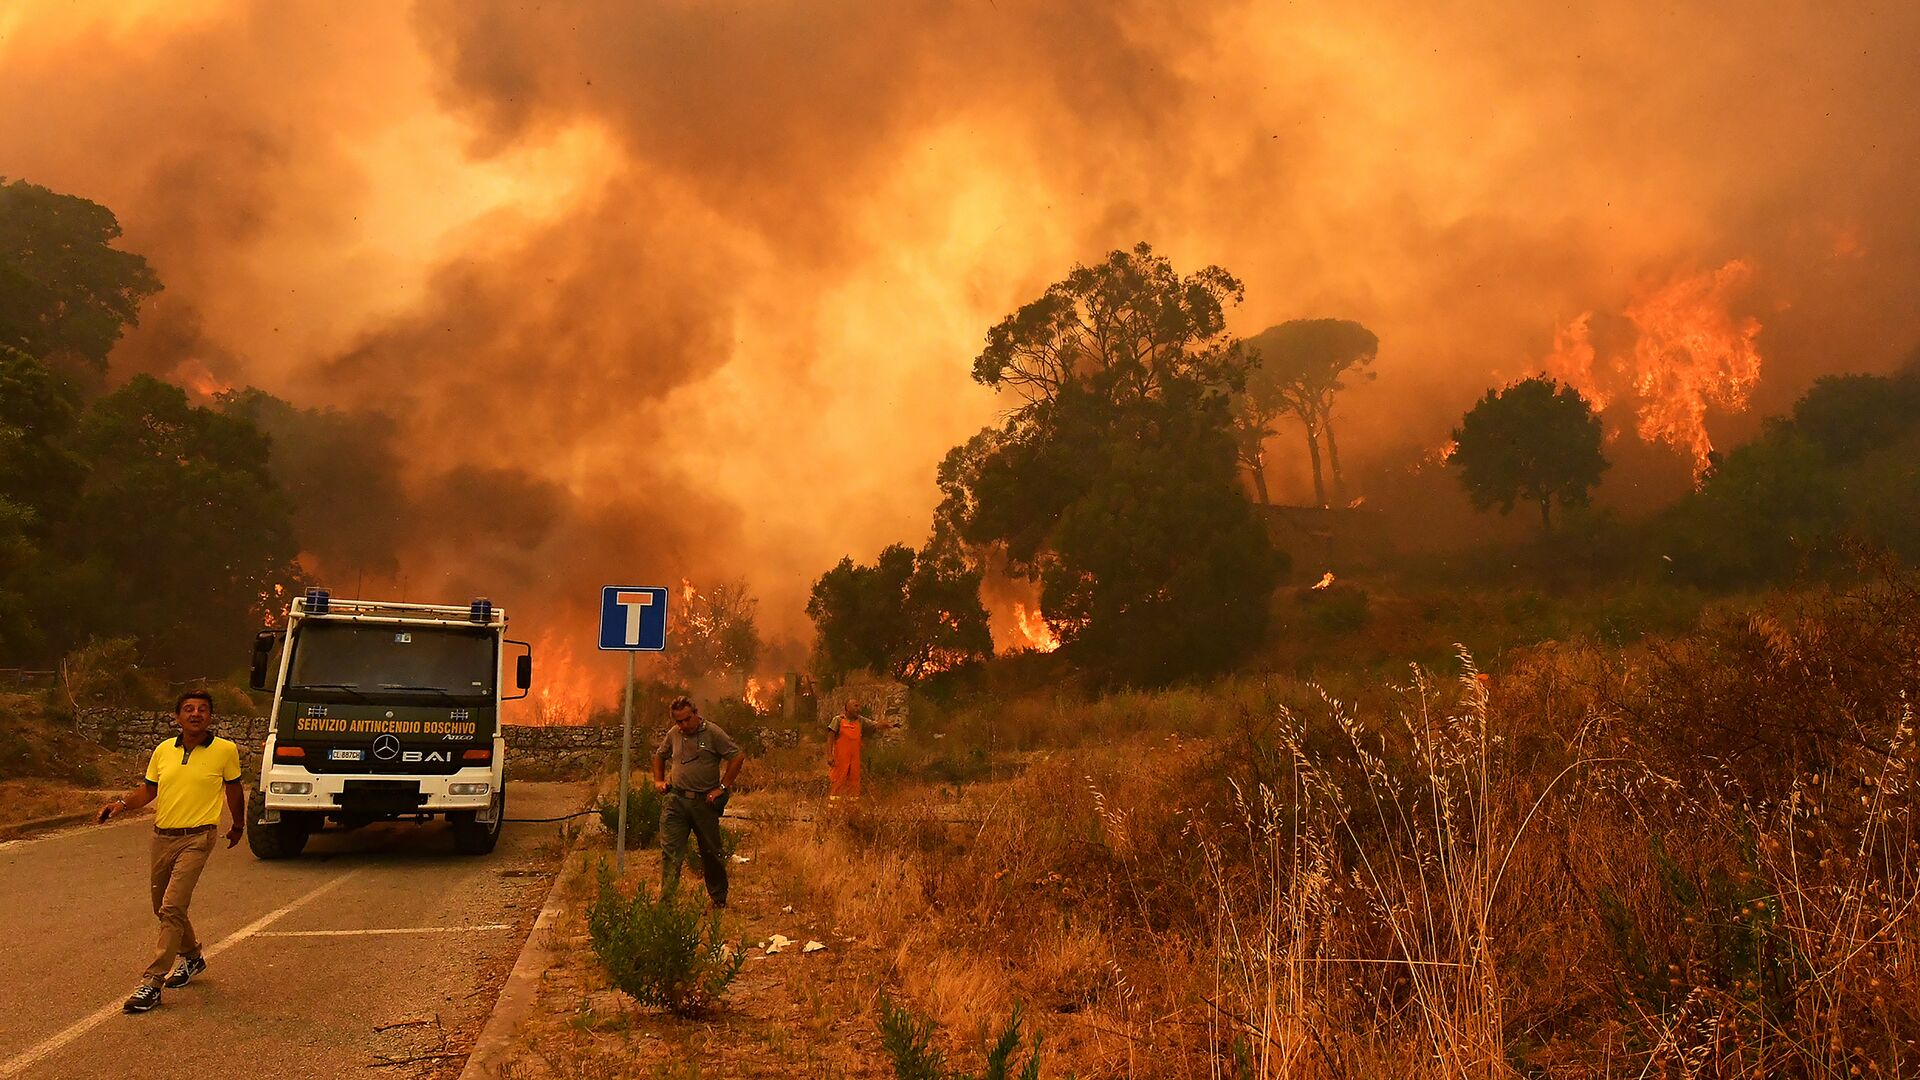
(191, 782)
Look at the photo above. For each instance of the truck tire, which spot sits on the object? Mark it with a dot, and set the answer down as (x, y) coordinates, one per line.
(283, 839)
(472, 837)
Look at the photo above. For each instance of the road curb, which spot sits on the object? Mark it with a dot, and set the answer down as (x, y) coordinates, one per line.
(522, 989)
(38, 825)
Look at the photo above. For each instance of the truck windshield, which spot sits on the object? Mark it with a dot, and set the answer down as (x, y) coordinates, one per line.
(362, 661)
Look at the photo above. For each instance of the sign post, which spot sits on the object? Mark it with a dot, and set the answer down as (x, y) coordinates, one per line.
(633, 619)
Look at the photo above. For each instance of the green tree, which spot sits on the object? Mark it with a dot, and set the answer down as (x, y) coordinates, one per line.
(186, 534)
(1766, 509)
(38, 411)
(1115, 483)
(1840, 466)
(20, 632)
(1159, 570)
(1534, 440)
(907, 616)
(1302, 366)
(64, 290)
(1849, 415)
(1123, 330)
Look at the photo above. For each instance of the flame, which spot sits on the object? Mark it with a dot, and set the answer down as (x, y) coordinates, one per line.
(1690, 353)
(1572, 361)
(1326, 580)
(566, 694)
(199, 380)
(759, 695)
(1693, 353)
(272, 603)
(1033, 627)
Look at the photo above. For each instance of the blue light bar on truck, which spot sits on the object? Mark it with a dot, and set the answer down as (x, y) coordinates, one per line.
(316, 601)
(482, 611)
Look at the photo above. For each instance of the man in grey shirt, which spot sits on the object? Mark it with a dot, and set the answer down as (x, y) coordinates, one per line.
(705, 761)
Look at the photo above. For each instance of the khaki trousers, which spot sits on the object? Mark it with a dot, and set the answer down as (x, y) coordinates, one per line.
(176, 863)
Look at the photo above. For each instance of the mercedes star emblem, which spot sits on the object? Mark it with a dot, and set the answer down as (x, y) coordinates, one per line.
(386, 748)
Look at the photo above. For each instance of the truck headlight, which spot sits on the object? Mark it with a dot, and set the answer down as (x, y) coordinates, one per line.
(469, 789)
(287, 787)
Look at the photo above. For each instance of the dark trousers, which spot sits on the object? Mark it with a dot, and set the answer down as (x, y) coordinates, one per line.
(685, 814)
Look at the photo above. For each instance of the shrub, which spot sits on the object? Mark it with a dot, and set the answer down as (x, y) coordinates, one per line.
(908, 1040)
(643, 814)
(662, 951)
(1340, 609)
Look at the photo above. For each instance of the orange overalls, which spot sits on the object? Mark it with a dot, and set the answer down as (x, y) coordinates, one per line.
(845, 770)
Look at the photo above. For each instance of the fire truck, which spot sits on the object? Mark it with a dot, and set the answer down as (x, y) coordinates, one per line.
(384, 712)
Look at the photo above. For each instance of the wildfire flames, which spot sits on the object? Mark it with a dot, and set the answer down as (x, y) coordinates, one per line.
(1693, 353)
(1325, 582)
(1037, 635)
(1690, 353)
(565, 695)
(759, 695)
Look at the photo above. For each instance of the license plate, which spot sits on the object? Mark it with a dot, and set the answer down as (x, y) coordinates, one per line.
(345, 755)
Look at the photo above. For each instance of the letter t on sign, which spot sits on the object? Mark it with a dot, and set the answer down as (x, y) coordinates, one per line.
(635, 605)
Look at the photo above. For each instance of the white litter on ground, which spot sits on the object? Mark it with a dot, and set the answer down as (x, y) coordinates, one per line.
(777, 942)
(788, 910)
(743, 858)
(812, 946)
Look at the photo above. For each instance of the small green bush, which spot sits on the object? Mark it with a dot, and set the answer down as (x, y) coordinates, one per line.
(662, 951)
(908, 1040)
(1341, 608)
(643, 814)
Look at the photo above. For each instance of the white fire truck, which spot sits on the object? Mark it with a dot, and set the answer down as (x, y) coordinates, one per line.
(384, 712)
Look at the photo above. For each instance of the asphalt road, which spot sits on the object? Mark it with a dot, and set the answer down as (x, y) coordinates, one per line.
(374, 945)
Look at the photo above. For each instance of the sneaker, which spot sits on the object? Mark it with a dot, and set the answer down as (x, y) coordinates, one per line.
(184, 969)
(143, 999)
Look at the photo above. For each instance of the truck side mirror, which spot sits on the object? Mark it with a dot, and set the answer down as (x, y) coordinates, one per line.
(523, 671)
(262, 649)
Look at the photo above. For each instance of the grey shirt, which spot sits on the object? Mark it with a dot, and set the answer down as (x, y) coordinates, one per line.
(693, 761)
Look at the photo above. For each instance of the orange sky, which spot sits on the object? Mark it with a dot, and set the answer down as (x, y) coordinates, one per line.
(709, 281)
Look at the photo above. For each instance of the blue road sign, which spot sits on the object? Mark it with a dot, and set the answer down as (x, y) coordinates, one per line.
(633, 618)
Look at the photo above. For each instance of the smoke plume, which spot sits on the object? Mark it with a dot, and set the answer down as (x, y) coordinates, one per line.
(685, 290)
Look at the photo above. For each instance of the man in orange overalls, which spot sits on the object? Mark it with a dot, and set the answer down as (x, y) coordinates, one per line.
(843, 751)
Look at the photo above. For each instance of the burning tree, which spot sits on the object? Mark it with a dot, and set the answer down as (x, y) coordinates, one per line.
(713, 632)
(1301, 367)
(1534, 440)
(1115, 483)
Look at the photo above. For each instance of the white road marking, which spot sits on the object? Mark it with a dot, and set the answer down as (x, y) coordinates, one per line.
(385, 930)
(28, 1058)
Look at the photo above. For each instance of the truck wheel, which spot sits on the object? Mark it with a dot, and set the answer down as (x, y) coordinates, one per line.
(471, 837)
(282, 840)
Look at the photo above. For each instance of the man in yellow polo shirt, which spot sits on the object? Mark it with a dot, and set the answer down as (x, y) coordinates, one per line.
(187, 777)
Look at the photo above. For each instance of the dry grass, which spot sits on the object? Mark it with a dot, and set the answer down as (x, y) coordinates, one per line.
(1543, 873)
(1574, 868)
(34, 799)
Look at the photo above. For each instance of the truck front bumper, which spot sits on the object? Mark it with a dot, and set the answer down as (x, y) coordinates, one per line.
(469, 790)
